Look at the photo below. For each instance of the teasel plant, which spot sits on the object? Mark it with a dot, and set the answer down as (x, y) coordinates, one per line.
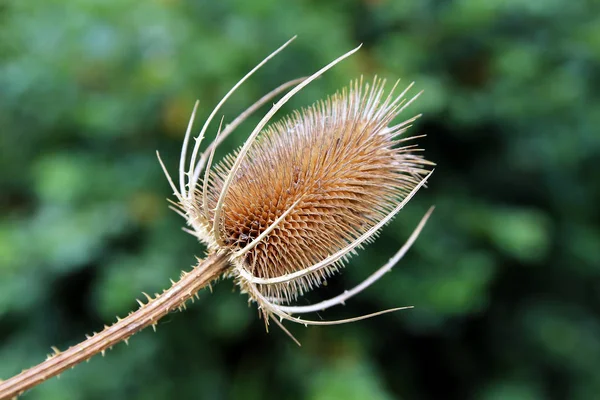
(283, 212)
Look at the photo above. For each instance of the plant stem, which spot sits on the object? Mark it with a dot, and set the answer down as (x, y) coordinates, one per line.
(148, 314)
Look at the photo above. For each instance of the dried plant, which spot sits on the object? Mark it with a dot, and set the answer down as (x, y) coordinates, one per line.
(284, 211)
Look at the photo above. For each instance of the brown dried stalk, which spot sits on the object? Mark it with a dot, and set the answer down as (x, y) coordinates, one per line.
(148, 314)
(285, 211)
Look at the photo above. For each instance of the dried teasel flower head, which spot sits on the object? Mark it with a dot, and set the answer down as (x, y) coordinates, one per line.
(283, 212)
(301, 195)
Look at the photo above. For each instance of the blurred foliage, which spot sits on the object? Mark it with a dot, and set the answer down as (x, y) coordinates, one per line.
(505, 279)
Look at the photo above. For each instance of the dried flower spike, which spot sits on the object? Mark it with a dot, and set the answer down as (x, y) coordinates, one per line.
(283, 212)
(291, 205)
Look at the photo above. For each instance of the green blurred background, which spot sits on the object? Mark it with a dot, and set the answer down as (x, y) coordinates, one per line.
(505, 279)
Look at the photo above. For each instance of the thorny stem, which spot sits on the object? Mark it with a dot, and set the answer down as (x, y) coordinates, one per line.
(171, 299)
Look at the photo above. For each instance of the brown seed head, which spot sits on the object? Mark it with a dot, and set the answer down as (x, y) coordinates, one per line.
(342, 167)
(283, 212)
(303, 194)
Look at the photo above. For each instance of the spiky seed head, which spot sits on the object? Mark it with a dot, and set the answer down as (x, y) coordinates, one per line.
(300, 196)
(342, 165)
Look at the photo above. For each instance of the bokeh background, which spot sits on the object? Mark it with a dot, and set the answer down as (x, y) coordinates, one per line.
(505, 279)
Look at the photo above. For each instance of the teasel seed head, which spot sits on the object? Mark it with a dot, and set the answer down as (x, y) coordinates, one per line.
(284, 211)
(303, 194)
